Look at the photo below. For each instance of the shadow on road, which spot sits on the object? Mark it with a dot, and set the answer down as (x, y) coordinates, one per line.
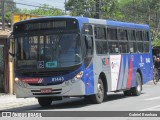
(68, 103)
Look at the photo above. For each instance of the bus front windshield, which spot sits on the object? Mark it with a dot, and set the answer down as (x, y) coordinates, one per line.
(48, 52)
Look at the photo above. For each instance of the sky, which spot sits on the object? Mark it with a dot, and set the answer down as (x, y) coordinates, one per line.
(55, 3)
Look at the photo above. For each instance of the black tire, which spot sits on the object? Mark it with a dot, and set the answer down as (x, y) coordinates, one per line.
(127, 93)
(99, 97)
(136, 91)
(45, 101)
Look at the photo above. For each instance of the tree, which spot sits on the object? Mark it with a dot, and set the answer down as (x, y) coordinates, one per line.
(142, 11)
(88, 7)
(9, 6)
(44, 10)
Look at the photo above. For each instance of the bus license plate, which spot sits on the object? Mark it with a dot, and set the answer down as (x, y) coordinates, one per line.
(46, 90)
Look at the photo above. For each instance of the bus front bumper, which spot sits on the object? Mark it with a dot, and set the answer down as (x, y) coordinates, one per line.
(67, 88)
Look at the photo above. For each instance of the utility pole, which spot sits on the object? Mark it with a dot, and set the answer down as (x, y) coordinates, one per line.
(12, 21)
(65, 7)
(98, 9)
(3, 20)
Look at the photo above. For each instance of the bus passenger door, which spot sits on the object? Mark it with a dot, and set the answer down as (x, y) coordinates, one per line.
(88, 64)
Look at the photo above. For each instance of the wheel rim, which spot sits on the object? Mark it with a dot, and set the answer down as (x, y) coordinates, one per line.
(138, 84)
(100, 91)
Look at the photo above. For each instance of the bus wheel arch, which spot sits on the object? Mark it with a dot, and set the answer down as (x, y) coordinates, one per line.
(104, 80)
(102, 88)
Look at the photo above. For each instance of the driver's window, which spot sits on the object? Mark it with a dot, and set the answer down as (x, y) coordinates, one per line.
(87, 34)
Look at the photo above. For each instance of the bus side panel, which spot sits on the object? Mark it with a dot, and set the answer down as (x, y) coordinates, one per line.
(116, 71)
(126, 72)
(102, 65)
(144, 63)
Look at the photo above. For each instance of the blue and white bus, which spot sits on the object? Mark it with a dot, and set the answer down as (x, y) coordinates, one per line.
(67, 56)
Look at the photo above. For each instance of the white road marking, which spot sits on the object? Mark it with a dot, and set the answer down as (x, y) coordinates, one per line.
(154, 108)
(153, 98)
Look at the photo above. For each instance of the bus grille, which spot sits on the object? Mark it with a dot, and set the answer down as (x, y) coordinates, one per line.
(46, 73)
(41, 84)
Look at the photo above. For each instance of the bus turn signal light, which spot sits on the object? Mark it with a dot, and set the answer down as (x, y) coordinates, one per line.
(79, 75)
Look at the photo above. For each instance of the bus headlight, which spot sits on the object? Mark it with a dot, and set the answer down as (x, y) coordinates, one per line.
(20, 83)
(79, 75)
(16, 79)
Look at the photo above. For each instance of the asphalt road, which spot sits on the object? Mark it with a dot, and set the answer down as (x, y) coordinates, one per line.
(149, 100)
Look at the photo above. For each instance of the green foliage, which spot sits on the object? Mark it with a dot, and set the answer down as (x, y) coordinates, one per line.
(88, 8)
(44, 10)
(156, 43)
(8, 7)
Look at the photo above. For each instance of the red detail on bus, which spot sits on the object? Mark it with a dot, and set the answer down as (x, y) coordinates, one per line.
(30, 80)
(46, 90)
(130, 74)
(106, 61)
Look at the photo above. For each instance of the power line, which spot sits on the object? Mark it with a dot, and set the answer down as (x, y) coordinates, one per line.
(31, 5)
(27, 2)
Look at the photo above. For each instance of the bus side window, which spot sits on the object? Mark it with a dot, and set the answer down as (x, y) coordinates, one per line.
(113, 47)
(139, 39)
(111, 34)
(132, 41)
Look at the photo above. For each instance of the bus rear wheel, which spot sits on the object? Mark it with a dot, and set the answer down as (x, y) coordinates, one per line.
(45, 101)
(98, 98)
(136, 91)
(127, 93)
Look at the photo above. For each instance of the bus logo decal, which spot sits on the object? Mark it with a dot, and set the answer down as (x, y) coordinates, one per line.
(105, 61)
(40, 64)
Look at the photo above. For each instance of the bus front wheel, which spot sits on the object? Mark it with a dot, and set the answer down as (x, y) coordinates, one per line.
(44, 101)
(98, 98)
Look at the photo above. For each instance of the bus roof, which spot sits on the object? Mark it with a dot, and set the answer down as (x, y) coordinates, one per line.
(96, 21)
